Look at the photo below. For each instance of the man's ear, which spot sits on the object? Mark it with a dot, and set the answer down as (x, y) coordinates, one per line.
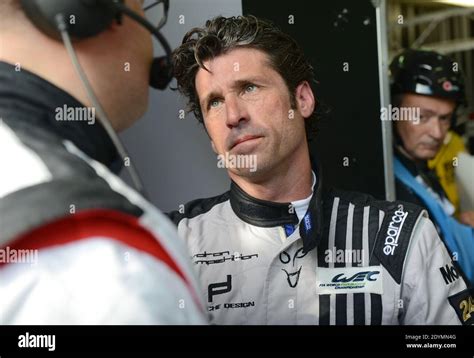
(305, 102)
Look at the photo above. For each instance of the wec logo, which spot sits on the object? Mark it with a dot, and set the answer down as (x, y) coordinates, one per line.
(368, 279)
(358, 277)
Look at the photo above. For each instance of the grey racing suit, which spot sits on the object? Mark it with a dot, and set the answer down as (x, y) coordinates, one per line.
(352, 260)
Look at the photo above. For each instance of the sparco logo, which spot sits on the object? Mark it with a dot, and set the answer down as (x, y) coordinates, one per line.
(393, 231)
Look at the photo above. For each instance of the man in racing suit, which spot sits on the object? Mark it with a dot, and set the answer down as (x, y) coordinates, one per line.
(280, 247)
(78, 245)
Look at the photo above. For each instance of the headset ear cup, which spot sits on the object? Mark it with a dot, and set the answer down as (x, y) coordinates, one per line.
(161, 72)
(85, 18)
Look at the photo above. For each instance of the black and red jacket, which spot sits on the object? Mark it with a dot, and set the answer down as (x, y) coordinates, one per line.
(77, 244)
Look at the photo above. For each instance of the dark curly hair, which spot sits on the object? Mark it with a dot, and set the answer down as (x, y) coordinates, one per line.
(221, 35)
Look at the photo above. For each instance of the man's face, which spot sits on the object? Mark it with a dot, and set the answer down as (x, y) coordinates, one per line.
(125, 54)
(247, 110)
(423, 138)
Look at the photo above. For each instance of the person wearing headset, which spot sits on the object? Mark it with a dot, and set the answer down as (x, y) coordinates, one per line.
(78, 245)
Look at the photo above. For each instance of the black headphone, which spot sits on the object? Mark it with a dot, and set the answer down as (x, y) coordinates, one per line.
(87, 18)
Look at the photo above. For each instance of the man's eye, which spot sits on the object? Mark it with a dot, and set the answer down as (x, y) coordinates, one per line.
(250, 88)
(424, 118)
(214, 103)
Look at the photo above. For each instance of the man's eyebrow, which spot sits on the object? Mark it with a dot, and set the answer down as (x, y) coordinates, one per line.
(426, 110)
(430, 112)
(449, 113)
(243, 81)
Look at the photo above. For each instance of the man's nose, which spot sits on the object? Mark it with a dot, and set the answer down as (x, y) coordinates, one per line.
(436, 129)
(236, 111)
